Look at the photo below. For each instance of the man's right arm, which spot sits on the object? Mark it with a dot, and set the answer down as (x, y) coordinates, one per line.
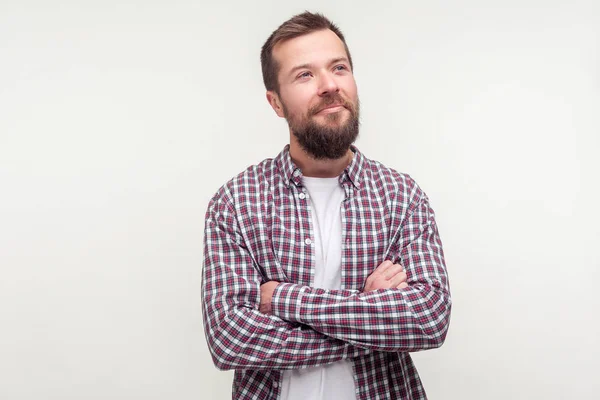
(239, 336)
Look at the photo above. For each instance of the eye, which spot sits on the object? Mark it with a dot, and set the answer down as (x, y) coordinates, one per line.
(304, 74)
(340, 67)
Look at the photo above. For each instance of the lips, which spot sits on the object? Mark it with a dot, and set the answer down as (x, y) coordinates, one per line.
(330, 106)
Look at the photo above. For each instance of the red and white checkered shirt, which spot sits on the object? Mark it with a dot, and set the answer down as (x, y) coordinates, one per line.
(258, 229)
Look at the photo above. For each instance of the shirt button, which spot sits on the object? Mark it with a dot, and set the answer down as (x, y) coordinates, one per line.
(275, 385)
(308, 241)
(302, 196)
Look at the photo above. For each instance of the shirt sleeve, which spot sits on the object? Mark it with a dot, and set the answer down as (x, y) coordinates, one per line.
(238, 335)
(411, 319)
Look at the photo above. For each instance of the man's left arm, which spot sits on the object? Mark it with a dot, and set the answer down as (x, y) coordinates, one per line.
(408, 319)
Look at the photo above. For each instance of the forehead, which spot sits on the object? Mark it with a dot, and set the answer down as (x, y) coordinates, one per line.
(312, 48)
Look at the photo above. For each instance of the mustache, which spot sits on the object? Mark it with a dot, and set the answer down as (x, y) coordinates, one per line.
(331, 99)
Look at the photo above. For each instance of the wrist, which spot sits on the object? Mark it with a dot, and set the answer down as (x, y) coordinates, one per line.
(266, 296)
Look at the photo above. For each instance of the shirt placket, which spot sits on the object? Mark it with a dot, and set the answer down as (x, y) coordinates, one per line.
(348, 274)
(306, 239)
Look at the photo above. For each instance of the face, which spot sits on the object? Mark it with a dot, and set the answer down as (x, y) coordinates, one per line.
(317, 94)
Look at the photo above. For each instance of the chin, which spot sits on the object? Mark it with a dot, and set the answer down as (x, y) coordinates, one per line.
(336, 118)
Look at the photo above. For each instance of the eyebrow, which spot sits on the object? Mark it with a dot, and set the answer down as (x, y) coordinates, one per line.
(309, 66)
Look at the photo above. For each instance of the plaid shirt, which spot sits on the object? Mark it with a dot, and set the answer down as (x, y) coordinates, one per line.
(258, 229)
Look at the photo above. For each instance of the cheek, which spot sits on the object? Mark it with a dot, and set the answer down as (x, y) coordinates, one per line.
(352, 90)
(297, 101)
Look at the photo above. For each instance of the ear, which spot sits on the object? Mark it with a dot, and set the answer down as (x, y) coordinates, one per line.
(275, 102)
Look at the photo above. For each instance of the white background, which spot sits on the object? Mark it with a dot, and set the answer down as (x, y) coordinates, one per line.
(119, 120)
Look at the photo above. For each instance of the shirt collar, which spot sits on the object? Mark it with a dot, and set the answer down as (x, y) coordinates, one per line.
(292, 174)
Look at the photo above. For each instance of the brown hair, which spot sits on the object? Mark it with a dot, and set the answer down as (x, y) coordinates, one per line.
(298, 25)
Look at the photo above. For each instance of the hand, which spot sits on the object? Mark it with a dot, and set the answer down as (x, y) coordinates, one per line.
(266, 294)
(386, 276)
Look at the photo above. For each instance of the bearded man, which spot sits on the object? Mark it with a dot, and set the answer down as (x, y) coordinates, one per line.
(322, 268)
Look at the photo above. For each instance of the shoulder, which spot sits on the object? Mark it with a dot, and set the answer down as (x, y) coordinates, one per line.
(247, 185)
(382, 178)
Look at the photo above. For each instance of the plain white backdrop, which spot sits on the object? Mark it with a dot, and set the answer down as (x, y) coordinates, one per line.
(119, 120)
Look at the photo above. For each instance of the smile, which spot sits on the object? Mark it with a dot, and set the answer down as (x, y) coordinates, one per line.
(331, 109)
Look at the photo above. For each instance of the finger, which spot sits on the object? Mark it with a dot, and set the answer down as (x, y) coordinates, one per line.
(384, 266)
(392, 271)
(398, 279)
(403, 285)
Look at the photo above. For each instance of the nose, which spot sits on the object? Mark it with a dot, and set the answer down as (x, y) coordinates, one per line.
(327, 85)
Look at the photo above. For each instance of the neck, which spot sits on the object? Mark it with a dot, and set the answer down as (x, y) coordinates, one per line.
(311, 167)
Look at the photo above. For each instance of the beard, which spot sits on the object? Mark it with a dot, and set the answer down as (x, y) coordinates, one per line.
(332, 139)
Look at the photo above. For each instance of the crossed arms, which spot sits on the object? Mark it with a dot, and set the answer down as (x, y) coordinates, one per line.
(303, 326)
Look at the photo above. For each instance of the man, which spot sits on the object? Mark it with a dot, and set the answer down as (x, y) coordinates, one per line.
(322, 269)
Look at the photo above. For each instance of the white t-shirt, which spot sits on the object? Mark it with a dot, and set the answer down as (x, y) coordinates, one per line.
(332, 381)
